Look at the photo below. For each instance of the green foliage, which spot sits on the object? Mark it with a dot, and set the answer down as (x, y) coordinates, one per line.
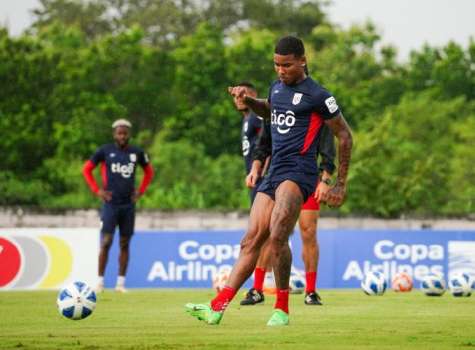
(166, 66)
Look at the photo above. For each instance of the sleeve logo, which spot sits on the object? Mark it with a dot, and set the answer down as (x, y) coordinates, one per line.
(331, 104)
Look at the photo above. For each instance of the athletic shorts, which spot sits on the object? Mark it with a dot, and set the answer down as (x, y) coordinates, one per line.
(253, 191)
(311, 203)
(305, 182)
(122, 216)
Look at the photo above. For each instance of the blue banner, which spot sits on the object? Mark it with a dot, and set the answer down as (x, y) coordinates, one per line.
(189, 259)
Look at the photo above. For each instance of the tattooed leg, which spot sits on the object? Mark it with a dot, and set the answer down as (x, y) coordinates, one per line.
(288, 201)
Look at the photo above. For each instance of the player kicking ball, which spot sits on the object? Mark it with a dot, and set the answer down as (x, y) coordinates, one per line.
(308, 218)
(298, 107)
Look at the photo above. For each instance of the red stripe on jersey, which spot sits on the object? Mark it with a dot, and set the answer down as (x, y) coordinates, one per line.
(104, 175)
(316, 123)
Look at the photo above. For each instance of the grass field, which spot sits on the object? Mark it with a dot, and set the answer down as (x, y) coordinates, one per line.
(155, 319)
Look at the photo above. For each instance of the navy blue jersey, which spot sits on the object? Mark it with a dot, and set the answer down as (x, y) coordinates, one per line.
(297, 115)
(119, 166)
(251, 124)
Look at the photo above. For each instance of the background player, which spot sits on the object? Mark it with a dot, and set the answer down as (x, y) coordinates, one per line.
(251, 125)
(297, 106)
(307, 219)
(118, 166)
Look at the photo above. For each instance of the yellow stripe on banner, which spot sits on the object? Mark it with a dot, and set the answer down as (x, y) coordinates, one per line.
(61, 261)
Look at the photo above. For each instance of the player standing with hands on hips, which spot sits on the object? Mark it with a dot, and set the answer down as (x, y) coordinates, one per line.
(118, 166)
(297, 106)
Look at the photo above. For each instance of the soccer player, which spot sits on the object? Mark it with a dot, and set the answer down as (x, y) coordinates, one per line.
(251, 125)
(307, 219)
(118, 166)
(298, 107)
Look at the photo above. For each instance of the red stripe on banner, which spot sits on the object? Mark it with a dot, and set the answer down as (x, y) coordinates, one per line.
(104, 175)
(316, 123)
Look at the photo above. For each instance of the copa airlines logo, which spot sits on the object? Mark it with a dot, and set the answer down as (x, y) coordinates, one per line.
(125, 170)
(202, 261)
(34, 262)
(390, 258)
(284, 122)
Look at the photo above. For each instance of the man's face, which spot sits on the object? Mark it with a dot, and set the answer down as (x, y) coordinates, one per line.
(239, 102)
(289, 68)
(121, 135)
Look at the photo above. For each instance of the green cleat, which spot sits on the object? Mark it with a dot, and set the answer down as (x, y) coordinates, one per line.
(204, 313)
(278, 318)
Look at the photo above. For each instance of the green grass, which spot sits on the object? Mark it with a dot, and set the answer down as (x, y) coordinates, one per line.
(155, 319)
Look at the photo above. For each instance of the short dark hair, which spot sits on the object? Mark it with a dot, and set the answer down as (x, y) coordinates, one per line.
(290, 45)
(247, 84)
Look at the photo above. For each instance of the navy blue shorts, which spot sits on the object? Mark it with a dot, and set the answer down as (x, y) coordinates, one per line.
(114, 215)
(306, 183)
(253, 191)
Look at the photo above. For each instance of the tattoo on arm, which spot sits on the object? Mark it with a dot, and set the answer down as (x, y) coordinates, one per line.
(259, 106)
(342, 131)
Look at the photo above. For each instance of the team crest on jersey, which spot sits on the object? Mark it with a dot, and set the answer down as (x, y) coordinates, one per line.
(246, 126)
(133, 157)
(112, 155)
(297, 98)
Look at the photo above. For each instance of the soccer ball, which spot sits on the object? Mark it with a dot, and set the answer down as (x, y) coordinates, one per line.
(460, 285)
(433, 285)
(402, 282)
(76, 301)
(374, 283)
(296, 284)
(220, 280)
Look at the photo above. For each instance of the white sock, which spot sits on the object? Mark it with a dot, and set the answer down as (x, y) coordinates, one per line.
(120, 280)
(100, 280)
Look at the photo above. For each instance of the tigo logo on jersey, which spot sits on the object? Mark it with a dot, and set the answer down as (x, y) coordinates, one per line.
(125, 170)
(27, 262)
(283, 121)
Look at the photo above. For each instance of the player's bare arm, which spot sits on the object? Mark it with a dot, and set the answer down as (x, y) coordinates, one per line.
(259, 106)
(340, 128)
(254, 174)
(323, 187)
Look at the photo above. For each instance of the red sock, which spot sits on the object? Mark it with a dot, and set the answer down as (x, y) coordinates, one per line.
(282, 300)
(311, 281)
(259, 275)
(222, 300)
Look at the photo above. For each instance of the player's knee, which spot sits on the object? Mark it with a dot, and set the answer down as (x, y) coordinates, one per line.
(251, 243)
(124, 244)
(106, 242)
(278, 241)
(309, 236)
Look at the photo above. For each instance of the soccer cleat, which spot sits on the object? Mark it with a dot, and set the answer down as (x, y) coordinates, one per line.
(253, 297)
(278, 318)
(313, 298)
(204, 313)
(121, 289)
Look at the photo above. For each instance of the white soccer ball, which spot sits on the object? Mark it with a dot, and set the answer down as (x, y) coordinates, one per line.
(374, 283)
(402, 282)
(460, 285)
(433, 285)
(76, 301)
(220, 280)
(296, 284)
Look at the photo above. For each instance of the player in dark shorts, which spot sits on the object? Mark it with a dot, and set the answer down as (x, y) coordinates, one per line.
(118, 162)
(307, 219)
(297, 107)
(251, 125)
